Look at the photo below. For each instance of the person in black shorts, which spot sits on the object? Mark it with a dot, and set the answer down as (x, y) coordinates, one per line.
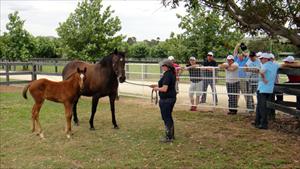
(167, 95)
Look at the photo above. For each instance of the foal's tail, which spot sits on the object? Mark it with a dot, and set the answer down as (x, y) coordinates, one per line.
(25, 91)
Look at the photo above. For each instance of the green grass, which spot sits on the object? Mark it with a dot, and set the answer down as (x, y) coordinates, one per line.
(203, 140)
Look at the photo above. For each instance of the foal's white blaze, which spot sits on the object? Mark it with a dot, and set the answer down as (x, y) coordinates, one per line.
(81, 76)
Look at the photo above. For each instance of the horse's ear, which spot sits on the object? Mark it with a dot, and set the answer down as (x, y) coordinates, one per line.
(116, 51)
(84, 70)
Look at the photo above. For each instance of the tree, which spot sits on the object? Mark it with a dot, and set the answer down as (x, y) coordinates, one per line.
(139, 50)
(158, 51)
(274, 17)
(177, 47)
(45, 47)
(206, 31)
(89, 34)
(17, 41)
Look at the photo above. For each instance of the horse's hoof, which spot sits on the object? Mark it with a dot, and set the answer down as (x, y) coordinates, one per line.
(92, 129)
(68, 136)
(116, 127)
(76, 123)
(42, 136)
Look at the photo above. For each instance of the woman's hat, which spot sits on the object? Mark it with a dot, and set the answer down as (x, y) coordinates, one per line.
(167, 63)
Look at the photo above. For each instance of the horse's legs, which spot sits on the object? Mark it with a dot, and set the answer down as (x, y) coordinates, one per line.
(94, 108)
(68, 114)
(75, 118)
(112, 99)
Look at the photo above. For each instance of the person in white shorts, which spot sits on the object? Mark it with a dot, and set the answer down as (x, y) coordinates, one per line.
(196, 83)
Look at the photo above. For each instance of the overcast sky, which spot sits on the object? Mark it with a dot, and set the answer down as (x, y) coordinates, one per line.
(144, 19)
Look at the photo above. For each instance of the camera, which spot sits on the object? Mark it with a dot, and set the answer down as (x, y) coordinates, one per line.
(243, 47)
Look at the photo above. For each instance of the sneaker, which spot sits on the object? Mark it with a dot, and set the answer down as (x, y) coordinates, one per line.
(193, 108)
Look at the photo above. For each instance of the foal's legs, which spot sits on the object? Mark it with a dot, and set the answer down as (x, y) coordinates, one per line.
(35, 118)
(112, 99)
(94, 108)
(68, 114)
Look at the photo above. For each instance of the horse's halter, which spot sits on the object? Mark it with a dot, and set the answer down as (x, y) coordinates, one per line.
(118, 68)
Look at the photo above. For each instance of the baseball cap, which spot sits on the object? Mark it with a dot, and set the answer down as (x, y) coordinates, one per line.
(210, 53)
(272, 56)
(230, 57)
(290, 59)
(258, 54)
(192, 58)
(265, 55)
(171, 58)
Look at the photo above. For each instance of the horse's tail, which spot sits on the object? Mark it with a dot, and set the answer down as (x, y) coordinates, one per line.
(25, 91)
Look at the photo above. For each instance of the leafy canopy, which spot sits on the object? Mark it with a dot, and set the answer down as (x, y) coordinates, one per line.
(274, 17)
(90, 32)
(18, 43)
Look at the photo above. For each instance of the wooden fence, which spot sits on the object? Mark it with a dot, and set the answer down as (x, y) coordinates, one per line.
(292, 108)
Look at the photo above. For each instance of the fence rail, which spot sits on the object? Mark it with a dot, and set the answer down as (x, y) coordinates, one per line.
(150, 73)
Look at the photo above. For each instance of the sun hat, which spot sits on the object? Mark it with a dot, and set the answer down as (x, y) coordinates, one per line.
(167, 63)
(289, 59)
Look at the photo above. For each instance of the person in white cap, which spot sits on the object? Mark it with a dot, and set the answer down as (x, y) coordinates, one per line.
(209, 63)
(265, 88)
(288, 61)
(232, 83)
(196, 82)
(178, 71)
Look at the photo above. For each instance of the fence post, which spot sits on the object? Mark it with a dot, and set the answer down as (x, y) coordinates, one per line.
(127, 70)
(214, 87)
(146, 71)
(56, 66)
(143, 72)
(33, 71)
(7, 73)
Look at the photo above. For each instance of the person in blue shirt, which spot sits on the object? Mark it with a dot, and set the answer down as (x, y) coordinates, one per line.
(167, 95)
(241, 59)
(253, 66)
(265, 89)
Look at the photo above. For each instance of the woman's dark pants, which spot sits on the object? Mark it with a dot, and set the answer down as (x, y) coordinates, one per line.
(166, 109)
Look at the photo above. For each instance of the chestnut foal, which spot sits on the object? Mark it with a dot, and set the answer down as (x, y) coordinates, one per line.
(63, 92)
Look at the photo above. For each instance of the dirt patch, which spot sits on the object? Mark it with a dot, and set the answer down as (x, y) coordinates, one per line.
(8, 89)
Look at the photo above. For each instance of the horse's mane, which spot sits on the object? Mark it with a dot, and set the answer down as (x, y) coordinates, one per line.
(107, 60)
(70, 75)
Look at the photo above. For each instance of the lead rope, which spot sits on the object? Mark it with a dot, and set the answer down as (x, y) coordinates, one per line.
(154, 97)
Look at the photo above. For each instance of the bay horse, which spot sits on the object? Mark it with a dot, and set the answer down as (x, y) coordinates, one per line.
(102, 79)
(63, 92)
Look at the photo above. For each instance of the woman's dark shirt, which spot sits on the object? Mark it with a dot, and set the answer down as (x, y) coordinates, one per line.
(169, 79)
